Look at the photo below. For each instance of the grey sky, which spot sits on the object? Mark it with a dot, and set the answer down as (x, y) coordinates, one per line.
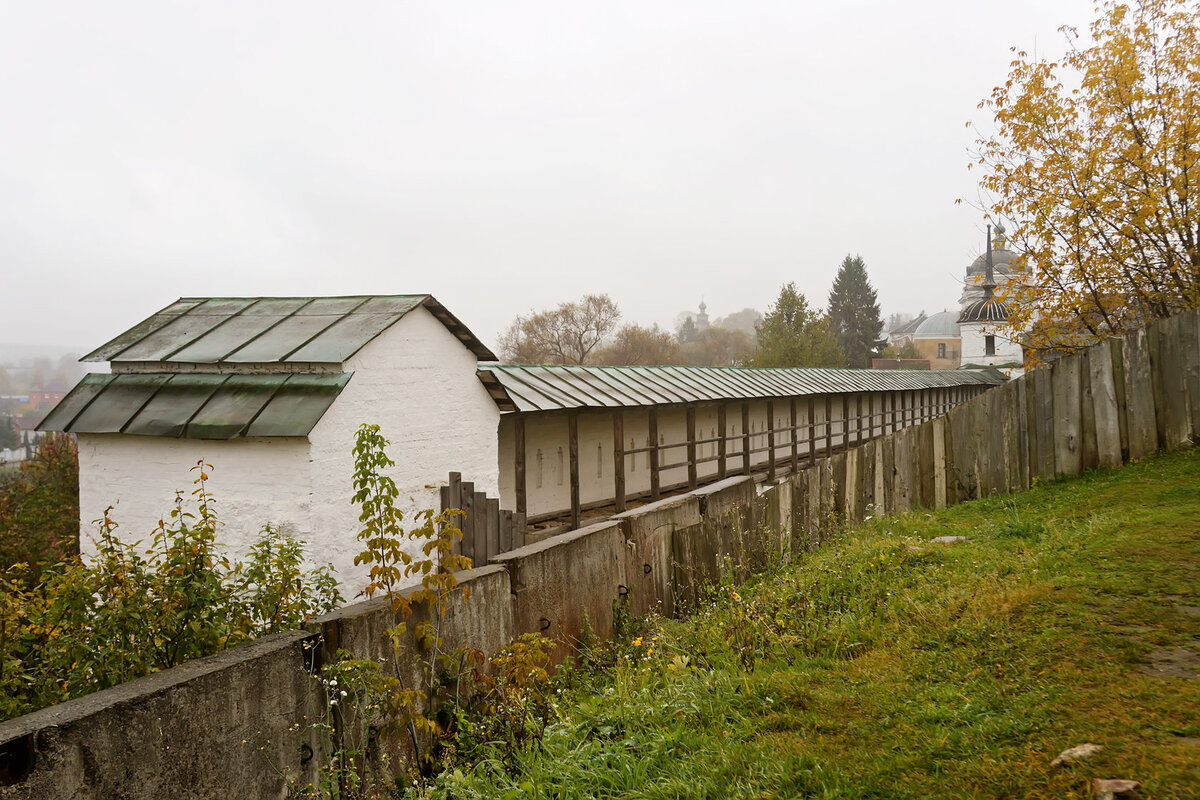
(503, 156)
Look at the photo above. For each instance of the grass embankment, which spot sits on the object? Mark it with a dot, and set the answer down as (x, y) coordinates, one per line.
(889, 666)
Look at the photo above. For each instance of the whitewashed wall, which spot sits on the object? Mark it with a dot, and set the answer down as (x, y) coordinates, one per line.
(254, 481)
(418, 383)
(548, 485)
(416, 380)
(974, 347)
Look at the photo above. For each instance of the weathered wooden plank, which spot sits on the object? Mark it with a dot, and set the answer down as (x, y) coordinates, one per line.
(480, 525)
(1089, 452)
(851, 496)
(1139, 395)
(1022, 433)
(867, 481)
(1116, 354)
(1168, 386)
(951, 471)
(964, 449)
(493, 526)
(1189, 353)
(923, 489)
(905, 455)
(466, 523)
(1066, 403)
(1043, 382)
(837, 466)
(573, 458)
(888, 473)
(1106, 418)
(938, 432)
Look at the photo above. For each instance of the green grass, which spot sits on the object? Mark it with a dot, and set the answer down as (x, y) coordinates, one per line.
(886, 666)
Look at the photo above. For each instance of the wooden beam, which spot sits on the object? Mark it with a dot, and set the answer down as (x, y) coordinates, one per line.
(722, 449)
(466, 523)
(770, 440)
(619, 458)
(573, 449)
(811, 412)
(654, 486)
(795, 437)
(828, 425)
(858, 417)
(845, 421)
(521, 488)
(745, 438)
(691, 445)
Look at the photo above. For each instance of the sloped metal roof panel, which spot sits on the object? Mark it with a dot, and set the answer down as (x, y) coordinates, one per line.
(544, 388)
(198, 330)
(197, 406)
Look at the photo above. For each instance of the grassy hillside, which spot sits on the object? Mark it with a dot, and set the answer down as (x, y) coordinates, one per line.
(888, 665)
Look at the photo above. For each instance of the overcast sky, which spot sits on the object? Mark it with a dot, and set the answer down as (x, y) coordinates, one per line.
(503, 156)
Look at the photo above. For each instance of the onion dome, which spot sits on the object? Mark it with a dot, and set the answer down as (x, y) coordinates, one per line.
(989, 309)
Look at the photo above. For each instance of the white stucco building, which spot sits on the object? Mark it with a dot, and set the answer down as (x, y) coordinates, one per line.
(270, 391)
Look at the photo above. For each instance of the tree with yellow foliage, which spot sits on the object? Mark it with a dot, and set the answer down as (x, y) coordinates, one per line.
(1102, 180)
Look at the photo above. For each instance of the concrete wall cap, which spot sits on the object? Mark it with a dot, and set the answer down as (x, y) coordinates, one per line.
(555, 541)
(713, 488)
(72, 711)
(658, 505)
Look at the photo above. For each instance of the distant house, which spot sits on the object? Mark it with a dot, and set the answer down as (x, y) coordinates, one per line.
(271, 390)
(902, 334)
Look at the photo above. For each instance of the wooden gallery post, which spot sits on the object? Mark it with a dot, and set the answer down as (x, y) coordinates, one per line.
(519, 486)
(619, 458)
(573, 443)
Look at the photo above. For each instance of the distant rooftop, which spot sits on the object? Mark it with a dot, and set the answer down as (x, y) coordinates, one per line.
(256, 330)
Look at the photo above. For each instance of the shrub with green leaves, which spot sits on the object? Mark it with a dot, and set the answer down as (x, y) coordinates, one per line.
(131, 610)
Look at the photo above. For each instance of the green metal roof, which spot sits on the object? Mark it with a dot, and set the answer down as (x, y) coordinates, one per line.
(196, 406)
(211, 330)
(543, 388)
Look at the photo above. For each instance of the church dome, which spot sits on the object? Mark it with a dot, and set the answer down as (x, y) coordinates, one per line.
(943, 325)
(1004, 262)
(989, 309)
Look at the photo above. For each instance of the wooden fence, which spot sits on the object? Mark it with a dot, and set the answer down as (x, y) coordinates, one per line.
(1118, 401)
(487, 529)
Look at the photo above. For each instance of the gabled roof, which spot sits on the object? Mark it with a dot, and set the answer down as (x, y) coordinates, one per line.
(196, 406)
(211, 330)
(533, 388)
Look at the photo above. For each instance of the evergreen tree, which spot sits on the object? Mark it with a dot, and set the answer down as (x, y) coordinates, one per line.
(792, 334)
(854, 314)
